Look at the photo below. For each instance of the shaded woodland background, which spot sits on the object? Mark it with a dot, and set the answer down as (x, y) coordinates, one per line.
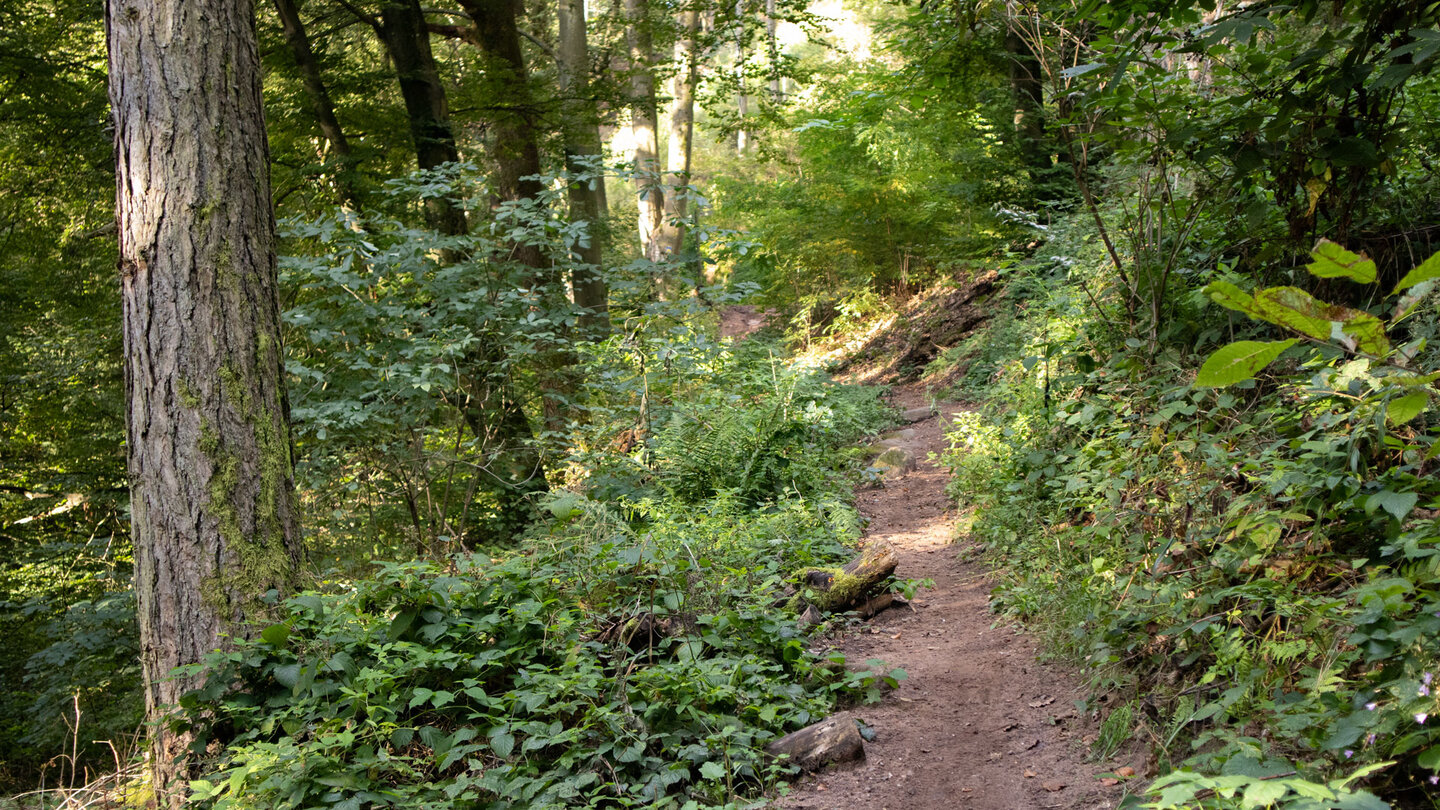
(501, 268)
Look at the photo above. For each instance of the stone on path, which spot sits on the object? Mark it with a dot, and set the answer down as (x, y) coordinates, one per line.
(920, 414)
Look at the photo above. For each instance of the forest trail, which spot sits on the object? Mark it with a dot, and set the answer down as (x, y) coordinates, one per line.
(979, 723)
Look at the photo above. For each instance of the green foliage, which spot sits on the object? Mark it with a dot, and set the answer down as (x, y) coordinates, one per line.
(628, 653)
(1253, 558)
(882, 179)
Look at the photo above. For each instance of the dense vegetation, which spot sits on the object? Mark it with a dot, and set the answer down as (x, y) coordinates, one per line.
(547, 548)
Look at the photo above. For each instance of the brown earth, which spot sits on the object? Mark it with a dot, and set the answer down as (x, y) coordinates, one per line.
(741, 320)
(979, 722)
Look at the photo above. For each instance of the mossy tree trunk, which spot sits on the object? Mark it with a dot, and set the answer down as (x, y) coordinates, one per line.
(212, 496)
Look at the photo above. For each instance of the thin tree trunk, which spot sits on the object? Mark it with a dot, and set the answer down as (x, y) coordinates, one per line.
(213, 509)
(682, 131)
(319, 97)
(772, 42)
(580, 122)
(742, 101)
(406, 38)
(1028, 95)
(644, 127)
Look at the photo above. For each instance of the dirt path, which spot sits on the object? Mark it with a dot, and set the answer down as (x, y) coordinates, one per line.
(979, 723)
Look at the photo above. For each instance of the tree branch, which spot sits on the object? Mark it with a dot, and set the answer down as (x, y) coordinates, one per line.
(361, 15)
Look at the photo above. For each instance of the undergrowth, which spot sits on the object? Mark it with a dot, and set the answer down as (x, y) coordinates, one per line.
(1255, 569)
(631, 652)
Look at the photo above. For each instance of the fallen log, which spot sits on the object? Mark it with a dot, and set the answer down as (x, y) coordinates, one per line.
(840, 588)
(871, 607)
(827, 742)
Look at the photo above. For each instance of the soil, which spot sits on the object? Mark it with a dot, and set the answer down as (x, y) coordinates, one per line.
(742, 320)
(980, 722)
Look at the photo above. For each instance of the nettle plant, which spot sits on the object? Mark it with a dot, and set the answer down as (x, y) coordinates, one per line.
(1387, 386)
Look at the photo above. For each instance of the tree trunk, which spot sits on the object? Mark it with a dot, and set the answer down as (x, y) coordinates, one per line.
(212, 496)
(644, 127)
(514, 148)
(772, 43)
(847, 587)
(682, 130)
(406, 38)
(515, 154)
(580, 122)
(742, 101)
(1028, 95)
(319, 98)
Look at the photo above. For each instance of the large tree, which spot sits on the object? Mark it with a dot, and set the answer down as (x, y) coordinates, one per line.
(213, 508)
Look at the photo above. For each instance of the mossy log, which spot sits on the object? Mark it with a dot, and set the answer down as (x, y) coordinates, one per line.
(841, 588)
(830, 741)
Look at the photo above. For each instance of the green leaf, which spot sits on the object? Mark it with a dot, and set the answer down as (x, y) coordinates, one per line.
(288, 675)
(1362, 800)
(1231, 297)
(275, 635)
(1239, 361)
(1333, 261)
(1263, 794)
(502, 743)
(402, 622)
(1428, 269)
(1429, 758)
(1397, 504)
(1402, 409)
(712, 770)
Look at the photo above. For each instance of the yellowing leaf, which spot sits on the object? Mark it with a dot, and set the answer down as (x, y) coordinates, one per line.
(1333, 261)
(1239, 361)
(1368, 334)
(1428, 269)
(1293, 308)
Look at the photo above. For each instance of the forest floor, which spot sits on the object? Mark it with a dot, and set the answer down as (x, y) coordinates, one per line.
(979, 722)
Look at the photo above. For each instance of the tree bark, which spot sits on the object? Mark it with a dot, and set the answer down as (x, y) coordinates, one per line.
(830, 741)
(682, 132)
(644, 127)
(742, 100)
(406, 38)
(319, 97)
(212, 496)
(1028, 96)
(580, 122)
(772, 44)
(514, 147)
(852, 585)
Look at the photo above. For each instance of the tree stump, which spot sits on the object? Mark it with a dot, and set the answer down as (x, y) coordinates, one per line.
(827, 742)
